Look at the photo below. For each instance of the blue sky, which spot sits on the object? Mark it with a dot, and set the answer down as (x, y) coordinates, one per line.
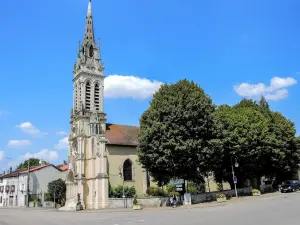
(232, 49)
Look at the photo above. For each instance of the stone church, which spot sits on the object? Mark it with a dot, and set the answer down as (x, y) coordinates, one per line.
(100, 154)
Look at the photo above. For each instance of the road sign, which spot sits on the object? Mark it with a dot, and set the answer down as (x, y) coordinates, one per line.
(235, 179)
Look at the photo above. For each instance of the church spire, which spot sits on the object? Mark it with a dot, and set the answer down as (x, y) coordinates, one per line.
(89, 27)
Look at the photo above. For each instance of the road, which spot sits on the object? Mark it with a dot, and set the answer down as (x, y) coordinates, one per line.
(273, 210)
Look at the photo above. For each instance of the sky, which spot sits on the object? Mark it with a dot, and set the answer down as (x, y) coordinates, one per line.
(233, 49)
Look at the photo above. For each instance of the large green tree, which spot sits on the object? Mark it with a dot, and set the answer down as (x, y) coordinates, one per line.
(263, 141)
(243, 135)
(177, 133)
(57, 190)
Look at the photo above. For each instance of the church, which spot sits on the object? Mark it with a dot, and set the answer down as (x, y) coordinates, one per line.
(100, 154)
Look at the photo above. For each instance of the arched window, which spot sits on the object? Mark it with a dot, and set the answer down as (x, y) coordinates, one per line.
(88, 96)
(91, 51)
(127, 170)
(97, 100)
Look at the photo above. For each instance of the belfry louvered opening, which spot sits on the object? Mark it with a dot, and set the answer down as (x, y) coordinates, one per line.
(88, 96)
(97, 100)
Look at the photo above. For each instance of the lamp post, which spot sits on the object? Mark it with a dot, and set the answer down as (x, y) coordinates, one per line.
(233, 176)
(122, 176)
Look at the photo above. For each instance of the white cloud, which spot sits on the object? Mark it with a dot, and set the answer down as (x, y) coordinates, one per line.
(63, 144)
(29, 128)
(18, 143)
(276, 91)
(44, 154)
(62, 133)
(2, 155)
(117, 86)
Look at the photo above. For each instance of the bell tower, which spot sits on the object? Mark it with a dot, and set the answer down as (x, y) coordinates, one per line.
(87, 180)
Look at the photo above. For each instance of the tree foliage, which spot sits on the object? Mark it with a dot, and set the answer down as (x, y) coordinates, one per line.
(117, 192)
(57, 189)
(183, 135)
(177, 132)
(263, 141)
(31, 161)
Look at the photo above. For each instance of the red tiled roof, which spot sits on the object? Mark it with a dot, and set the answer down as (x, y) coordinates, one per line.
(63, 167)
(122, 134)
(35, 168)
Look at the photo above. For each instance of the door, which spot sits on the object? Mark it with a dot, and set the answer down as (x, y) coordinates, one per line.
(11, 200)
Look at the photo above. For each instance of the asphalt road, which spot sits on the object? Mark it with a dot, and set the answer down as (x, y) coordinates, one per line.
(273, 210)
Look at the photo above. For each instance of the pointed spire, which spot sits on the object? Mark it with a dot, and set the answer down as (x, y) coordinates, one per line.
(89, 13)
(89, 28)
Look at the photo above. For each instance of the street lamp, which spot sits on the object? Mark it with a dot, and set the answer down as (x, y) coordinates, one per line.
(121, 175)
(233, 176)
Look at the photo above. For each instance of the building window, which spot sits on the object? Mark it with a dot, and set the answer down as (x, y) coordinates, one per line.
(88, 96)
(127, 170)
(91, 51)
(97, 100)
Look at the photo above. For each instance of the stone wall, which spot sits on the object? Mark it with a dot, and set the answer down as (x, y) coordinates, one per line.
(146, 202)
(209, 197)
(162, 201)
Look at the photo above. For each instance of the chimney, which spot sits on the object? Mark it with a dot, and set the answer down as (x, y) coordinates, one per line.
(10, 169)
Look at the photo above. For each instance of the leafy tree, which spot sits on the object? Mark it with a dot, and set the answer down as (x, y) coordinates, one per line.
(264, 142)
(57, 189)
(243, 135)
(32, 162)
(177, 132)
(263, 103)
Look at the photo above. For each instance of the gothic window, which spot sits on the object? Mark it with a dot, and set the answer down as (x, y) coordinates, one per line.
(88, 96)
(97, 100)
(91, 51)
(127, 170)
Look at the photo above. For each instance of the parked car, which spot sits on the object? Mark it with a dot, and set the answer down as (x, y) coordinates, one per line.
(290, 186)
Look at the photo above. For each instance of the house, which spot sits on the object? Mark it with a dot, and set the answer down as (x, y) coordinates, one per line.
(13, 186)
(8, 189)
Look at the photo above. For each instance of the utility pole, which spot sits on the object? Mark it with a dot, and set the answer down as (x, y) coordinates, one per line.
(54, 196)
(121, 174)
(28, 183)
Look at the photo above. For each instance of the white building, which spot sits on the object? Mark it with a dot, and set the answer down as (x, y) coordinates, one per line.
(8, 190)
(13, 186)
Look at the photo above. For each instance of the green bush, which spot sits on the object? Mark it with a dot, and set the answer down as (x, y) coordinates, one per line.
(171, 188)
(48, 197)
(193, 188)
(255, 191)
(117, 192)
(155, 191)
(135, 201)
(221, 196)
